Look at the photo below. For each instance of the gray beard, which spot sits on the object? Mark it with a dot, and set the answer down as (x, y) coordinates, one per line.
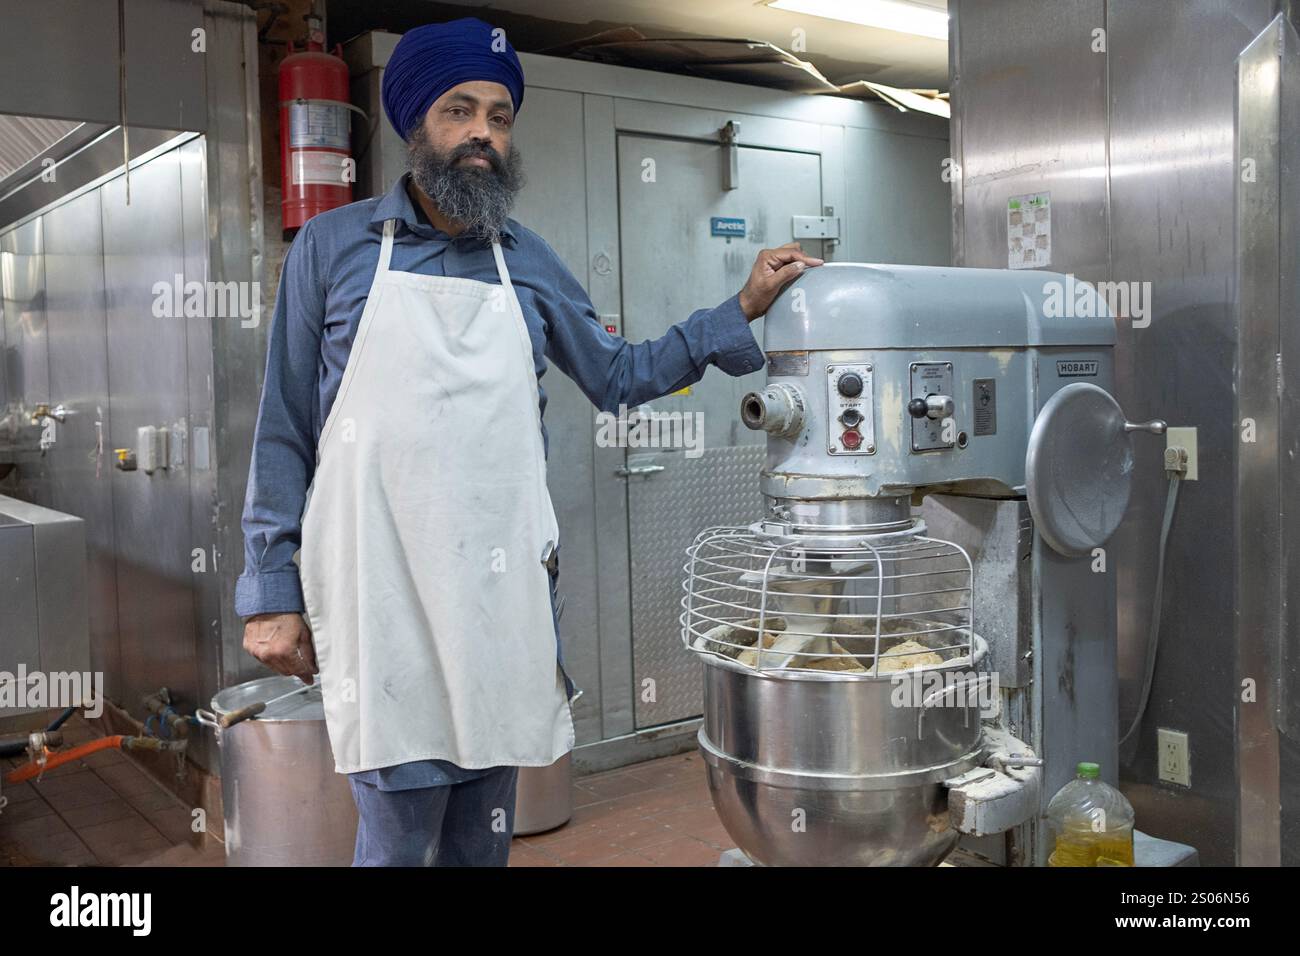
(480, 199)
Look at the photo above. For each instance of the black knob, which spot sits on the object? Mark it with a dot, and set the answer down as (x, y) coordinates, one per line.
(918, 408)
(850, 384)
(851, 417)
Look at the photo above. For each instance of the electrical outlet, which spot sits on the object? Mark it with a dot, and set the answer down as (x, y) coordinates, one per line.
(1184, 438)
(1172, 748)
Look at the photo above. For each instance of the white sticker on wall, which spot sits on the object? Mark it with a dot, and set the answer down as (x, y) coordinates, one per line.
(1029, 231)
(316, 167)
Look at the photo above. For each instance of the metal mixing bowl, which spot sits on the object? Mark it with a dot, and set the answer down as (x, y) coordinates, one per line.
(811, 769)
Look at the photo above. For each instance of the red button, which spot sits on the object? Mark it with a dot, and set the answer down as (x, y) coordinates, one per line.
(851, 439)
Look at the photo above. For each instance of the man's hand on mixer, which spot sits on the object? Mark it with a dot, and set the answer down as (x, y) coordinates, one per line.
(283, 643)
(773, 270)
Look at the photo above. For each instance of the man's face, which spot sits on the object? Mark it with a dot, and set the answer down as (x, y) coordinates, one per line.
(471, 112)
(462, 158)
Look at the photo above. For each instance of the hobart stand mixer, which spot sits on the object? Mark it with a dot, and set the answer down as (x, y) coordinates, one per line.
(854, 713)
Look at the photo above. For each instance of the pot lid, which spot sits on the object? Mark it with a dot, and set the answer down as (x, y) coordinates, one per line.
(307, 705)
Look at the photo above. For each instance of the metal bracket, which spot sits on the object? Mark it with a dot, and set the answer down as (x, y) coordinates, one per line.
(729, 134)
(999, 795)
(815, 227)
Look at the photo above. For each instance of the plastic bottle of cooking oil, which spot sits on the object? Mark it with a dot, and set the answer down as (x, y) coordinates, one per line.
(1093, 822)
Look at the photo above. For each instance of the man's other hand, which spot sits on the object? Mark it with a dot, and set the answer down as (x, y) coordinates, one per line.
(774, 269)
(283, 643)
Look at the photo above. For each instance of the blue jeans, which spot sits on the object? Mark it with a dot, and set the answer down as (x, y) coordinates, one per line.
(457, 824)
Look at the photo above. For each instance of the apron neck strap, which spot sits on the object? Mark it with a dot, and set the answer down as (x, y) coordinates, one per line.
(502, 271)
(386, 246)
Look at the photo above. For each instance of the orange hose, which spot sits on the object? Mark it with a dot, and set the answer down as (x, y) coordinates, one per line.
(30, 770)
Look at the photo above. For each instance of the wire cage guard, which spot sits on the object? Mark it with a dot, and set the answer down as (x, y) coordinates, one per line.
(871, 608)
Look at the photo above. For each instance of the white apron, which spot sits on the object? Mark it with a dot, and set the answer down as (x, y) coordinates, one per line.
(425, 531)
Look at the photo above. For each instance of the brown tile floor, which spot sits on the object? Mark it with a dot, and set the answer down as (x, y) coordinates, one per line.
(655, 813)
(105, 810)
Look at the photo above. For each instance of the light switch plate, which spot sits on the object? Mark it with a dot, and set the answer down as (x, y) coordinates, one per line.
(1172, 753)
(1184, 438)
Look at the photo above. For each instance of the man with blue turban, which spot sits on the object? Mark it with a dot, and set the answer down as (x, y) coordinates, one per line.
(399, 536)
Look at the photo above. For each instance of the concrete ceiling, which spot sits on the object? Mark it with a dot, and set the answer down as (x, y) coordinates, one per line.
(843, 52)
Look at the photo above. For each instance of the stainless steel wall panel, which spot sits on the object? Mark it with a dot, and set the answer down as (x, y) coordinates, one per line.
(81, 460)
(193, 460)
(1288, 654)
(144, 245)
(1171, 211)
(62, 612)
(22, 272)
(1264, 491)
(1031, 95)
(234, 211)
(26, 343)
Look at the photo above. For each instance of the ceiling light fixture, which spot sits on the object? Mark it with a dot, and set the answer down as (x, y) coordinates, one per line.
(882, 14)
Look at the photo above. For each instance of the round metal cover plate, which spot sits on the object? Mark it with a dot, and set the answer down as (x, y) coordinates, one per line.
(1079, 469)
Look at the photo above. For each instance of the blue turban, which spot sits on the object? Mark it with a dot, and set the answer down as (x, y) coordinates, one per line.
(430, 60)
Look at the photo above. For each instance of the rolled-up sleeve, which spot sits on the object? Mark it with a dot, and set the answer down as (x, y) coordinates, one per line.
(284, 455)
(612, 371)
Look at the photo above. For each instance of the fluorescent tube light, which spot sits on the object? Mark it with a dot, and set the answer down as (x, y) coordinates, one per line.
(884, 14)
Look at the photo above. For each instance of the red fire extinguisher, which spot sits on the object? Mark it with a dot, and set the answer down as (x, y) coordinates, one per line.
(316, 167)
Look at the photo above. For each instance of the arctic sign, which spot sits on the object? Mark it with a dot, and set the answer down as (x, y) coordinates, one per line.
(723, 226)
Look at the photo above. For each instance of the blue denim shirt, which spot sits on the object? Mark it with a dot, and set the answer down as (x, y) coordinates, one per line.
(323, 289)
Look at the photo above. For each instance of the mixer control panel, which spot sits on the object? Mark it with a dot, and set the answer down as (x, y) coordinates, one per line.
(931, 407)
(850, 421)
